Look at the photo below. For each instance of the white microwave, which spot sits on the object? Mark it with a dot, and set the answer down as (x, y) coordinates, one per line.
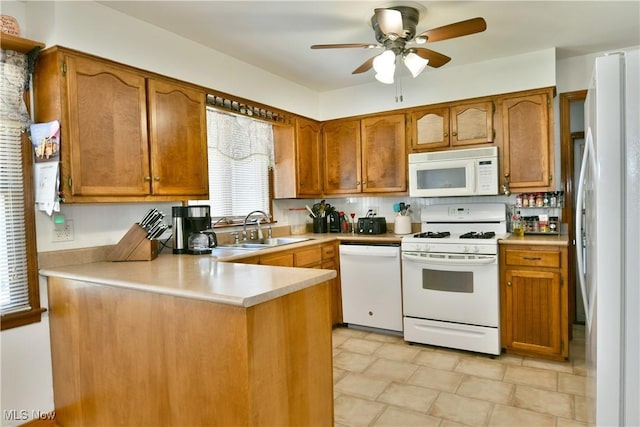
(470, 172)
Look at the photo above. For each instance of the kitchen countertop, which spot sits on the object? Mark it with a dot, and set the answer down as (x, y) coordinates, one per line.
(198, 277)
(216, 279)
(536, 239)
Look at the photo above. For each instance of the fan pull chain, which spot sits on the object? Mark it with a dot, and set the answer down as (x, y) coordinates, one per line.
(399, 97)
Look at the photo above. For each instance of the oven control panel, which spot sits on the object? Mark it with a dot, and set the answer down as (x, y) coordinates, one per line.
(490, 249)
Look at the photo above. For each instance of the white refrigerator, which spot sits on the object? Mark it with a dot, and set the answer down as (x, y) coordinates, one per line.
(609, 266)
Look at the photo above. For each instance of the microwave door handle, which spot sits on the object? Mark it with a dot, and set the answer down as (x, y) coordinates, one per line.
(448, 261)
(472, 178)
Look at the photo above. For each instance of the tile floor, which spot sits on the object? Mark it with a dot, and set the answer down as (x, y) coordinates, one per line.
(379, 380)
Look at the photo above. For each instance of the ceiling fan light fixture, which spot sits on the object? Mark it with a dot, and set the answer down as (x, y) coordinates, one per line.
(420, 40)
(385, 78)
(415, 63)
(385, 66)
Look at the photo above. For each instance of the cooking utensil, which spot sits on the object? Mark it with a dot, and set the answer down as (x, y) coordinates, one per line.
(310, 211)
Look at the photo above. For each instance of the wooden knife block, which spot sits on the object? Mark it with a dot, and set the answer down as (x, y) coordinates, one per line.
(134, 246)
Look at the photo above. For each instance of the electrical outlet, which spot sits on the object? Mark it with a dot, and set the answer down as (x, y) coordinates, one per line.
(373, 210)
(63, 232)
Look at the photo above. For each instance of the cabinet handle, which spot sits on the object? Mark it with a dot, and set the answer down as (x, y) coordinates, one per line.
(505, 187)
(446, 134)
(508, 283)
(455, 134)
(532, 258)
(147, 178)
(364, 182)
(156, 178)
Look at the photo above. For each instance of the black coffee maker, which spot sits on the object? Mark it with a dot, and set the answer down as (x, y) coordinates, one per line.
(188, 221)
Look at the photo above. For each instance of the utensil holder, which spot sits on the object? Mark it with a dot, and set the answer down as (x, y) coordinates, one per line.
(320, 224)
(402, 225)
(134, 246)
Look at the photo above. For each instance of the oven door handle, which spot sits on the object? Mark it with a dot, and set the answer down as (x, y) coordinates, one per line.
(448, 261)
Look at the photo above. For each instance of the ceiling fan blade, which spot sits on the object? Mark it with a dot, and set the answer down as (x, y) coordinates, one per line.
(462, 28)
(390, 21)
(366, 66)
(435, 59)
(343, 45)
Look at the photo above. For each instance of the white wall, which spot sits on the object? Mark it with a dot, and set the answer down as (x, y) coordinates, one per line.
(86, 26)
(503, 75)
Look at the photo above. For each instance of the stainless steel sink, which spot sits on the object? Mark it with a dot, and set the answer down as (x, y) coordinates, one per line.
(222, 251)
(264, 243)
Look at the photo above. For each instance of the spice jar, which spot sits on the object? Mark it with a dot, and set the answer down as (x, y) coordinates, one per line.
(539, 200)
(518, 200)
(532, 200)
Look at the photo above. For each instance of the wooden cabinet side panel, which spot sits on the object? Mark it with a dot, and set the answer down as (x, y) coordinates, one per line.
(291, 360)
(107, 129)
(177, 126)
(285, 180)
(123, 357)
(342, 158)
(384, 160)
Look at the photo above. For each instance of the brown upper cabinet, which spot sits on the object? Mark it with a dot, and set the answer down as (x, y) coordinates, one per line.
(126, 135)
(527, 153)
(452, 125)
(298, 153)
(365, 156)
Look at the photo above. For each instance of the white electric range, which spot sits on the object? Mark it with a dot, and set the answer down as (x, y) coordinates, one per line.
(450, 277)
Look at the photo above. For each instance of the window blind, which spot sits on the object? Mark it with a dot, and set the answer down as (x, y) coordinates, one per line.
(240, 152)
(14, 285)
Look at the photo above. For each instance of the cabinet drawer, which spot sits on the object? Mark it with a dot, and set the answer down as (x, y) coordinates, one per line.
(328, 251)
(533, 258)
(280, 259)
(307, 257)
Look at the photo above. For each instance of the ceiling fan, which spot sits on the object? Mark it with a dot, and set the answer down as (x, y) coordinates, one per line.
(395, 31)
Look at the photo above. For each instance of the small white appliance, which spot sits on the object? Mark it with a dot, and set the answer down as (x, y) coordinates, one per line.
(609, 269)
(470, 172)
(371, 288)
(450, 279)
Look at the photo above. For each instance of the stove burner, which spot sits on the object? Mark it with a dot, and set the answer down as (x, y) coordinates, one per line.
(432, 235)
(478, 235)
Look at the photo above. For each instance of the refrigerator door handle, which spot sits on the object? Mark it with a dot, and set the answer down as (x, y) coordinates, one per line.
(588, 155)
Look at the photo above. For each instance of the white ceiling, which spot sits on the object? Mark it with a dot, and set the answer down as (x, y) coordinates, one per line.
(276, 36)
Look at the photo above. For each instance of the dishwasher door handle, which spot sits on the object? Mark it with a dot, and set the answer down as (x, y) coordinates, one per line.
(370, 251)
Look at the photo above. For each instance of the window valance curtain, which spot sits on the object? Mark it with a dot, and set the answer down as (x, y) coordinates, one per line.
(225, 130)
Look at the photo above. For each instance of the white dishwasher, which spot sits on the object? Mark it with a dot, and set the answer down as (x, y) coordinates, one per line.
(371, 285)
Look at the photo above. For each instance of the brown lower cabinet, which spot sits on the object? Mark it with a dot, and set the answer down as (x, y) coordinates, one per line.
(127, 357)
(321, 255)
(534, 300)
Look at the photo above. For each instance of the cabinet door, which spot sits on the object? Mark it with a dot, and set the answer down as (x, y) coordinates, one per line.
(472, 123)
(527, 152)
(430, 128)
(309, 167)
(532, 312)
(384, 160)
(342, 161)
(177, 126)
(107, 129)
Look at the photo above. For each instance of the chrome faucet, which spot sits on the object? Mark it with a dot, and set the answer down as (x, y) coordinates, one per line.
(244, 224)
